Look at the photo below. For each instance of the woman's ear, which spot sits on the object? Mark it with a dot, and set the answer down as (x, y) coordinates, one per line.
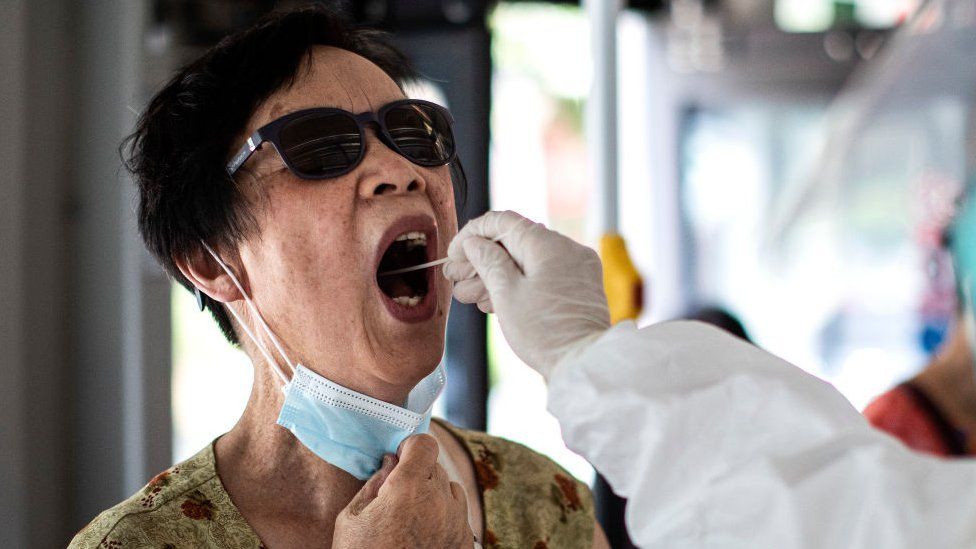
(209, 277)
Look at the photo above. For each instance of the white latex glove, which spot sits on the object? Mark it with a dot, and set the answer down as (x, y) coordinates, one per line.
(546, 289)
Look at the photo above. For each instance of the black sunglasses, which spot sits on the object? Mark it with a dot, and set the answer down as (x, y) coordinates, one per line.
(323, 142)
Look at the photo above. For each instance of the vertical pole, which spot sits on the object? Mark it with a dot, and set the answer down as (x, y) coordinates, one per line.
(601, 106)
(135, 404)
(621, 280)
(14, 460)
(458, 60)
(119, 353)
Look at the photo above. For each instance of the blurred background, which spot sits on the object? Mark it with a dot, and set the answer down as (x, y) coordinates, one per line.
(791, 161)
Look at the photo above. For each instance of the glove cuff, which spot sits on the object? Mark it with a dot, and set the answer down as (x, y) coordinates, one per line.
(582, 345)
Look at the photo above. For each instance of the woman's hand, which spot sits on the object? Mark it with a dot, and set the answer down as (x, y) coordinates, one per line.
(409, 502)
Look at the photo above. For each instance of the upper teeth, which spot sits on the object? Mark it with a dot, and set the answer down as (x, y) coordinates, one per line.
(414, 237)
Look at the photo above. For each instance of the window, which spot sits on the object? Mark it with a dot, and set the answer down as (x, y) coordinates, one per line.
(211, 379)
(832, 262)
(538, 168)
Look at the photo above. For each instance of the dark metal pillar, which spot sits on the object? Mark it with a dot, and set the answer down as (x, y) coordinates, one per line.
(457, 59)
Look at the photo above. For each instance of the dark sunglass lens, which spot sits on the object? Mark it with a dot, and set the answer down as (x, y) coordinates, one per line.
(321, 145)
(422, 133)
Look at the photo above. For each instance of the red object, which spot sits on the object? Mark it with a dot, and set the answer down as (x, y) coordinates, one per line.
(908, 414)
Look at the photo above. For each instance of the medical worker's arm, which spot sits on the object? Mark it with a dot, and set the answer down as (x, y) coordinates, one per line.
(715, 443)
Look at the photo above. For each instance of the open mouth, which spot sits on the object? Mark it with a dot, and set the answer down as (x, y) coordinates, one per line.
(407, 250)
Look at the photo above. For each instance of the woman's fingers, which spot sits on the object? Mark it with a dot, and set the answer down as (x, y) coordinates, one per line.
(460, 496)
(439, 477)
(371, 489)
(419, 475)
(417, 506)
(461, 506)
(417, 459)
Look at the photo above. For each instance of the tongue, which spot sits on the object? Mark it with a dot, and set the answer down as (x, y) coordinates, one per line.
(398, 287)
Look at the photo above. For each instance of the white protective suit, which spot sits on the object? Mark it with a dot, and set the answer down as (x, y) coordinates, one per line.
(714, 442)
(717, 443)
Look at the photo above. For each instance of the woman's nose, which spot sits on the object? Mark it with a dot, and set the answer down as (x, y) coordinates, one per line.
(385, 172)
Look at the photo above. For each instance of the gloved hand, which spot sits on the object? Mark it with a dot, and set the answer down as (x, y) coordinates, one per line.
(546, 289)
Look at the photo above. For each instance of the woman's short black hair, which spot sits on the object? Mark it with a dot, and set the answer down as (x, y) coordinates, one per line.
(182, 141)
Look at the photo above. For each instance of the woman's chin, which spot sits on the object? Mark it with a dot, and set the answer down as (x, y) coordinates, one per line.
(412, 349)
(418, 353)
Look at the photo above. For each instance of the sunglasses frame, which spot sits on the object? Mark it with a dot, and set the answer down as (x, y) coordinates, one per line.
(270, 133)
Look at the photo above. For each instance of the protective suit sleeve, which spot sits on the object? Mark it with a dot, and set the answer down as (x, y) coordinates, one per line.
(717, 443)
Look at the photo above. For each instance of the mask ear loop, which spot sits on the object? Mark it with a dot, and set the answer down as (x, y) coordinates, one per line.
(264, 350)
(257, 313)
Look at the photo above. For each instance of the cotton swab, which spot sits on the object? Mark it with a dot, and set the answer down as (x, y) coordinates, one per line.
(415, 267)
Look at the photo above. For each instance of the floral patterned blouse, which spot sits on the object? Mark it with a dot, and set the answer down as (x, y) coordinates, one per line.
(528, 501)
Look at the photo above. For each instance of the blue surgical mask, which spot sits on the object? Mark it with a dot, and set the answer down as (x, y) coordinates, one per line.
(343, 427)
(351, 430)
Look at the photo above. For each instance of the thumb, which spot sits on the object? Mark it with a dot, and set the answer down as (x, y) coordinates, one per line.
(494, 265)
(371, 489)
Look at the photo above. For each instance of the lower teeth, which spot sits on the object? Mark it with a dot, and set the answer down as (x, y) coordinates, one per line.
(408, 301)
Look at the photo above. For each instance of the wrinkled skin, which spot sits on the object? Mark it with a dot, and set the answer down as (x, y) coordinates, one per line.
(408, 503)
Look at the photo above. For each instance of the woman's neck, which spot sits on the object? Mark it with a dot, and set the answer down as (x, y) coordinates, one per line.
(275, 481)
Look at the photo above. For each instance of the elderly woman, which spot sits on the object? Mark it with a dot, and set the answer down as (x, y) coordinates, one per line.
(279, 175)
